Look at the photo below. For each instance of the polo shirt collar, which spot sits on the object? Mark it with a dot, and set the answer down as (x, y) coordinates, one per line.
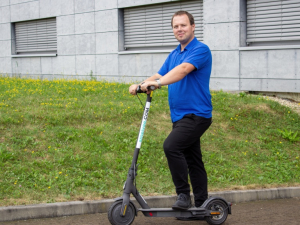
(189, 46)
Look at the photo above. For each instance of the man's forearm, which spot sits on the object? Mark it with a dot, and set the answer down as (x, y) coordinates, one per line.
(177, 74)
(154, 77)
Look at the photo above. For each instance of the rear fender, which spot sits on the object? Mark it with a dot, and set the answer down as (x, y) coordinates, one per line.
(211, 198)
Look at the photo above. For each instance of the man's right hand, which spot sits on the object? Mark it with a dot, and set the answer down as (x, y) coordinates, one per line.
(132, 89)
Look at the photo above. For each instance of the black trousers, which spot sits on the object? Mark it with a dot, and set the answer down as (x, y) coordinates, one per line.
(183, 151)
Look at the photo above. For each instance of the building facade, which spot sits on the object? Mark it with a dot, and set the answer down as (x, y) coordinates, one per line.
(255, 43)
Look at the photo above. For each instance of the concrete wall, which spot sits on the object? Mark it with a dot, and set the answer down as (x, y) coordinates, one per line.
(222, 21)
(5, 42)
(270, 70)
(90, 41)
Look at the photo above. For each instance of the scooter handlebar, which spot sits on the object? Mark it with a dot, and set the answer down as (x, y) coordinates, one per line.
(139, 90)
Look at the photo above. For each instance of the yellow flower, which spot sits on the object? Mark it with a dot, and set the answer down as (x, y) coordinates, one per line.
(60, 172)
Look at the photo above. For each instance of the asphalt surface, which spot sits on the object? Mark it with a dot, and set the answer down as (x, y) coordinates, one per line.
(275, 212)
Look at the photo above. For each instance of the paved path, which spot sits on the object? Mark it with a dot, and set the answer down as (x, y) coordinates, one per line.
(275, 212)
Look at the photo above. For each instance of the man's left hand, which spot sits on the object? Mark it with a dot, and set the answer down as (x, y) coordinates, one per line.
(147, 84)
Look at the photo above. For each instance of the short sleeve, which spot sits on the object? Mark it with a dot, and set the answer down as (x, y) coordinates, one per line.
(199, 57)
(165, 67)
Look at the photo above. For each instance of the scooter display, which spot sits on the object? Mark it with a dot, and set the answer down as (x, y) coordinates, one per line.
(123, 212)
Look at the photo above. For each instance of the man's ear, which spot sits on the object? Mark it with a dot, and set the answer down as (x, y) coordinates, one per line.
(193, 26)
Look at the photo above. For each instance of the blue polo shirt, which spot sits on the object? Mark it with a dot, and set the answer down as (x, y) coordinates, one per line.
(191, 94)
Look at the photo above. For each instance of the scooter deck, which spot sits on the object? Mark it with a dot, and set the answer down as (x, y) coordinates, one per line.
(169, 212)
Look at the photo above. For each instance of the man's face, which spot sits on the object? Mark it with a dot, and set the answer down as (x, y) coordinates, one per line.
(182, 29)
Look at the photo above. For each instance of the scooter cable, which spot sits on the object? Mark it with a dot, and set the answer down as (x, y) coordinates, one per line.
(140, 100)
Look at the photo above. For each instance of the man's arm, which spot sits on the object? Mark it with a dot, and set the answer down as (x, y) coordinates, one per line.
(132, 88)
(176, 74)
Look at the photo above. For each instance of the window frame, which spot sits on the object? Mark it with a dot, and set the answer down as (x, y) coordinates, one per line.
(143, 27)
(270, 24)
(34, 37)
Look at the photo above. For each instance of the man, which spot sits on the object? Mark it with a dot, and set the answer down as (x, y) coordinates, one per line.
(186, 71)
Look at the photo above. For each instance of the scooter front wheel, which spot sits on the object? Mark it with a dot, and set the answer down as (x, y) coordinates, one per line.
(217, 205)
(114, 216)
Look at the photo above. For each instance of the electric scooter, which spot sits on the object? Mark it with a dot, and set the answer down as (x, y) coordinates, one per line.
(122, 212)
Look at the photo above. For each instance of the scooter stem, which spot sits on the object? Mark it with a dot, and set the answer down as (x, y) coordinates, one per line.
(142, 130)
(132, 172)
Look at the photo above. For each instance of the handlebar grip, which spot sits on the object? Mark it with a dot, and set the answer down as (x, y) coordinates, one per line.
(139, 90)
(151, 88)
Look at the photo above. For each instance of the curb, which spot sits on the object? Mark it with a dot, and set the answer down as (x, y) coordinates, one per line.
(90, 207)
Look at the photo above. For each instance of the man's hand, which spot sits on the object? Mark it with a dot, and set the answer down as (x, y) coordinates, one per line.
(147, 84)
(132, 89)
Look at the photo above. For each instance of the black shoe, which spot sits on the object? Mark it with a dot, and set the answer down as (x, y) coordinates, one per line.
(191, 218)
(183, 202)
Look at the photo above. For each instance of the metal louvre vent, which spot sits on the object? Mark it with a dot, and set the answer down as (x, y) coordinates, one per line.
(150, 26)
(36, 36)
(273, 20)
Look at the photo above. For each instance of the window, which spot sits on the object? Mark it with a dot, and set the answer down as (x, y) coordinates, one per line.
(273, 22)
(35, 37)
(149, 27)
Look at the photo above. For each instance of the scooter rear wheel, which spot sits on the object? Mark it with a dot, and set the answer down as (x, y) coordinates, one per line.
(114, 214)
(217, 205)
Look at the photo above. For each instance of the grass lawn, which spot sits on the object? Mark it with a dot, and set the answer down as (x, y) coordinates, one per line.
(73, 140)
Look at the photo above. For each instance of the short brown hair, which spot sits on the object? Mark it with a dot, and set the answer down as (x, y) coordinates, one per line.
(181, 12)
